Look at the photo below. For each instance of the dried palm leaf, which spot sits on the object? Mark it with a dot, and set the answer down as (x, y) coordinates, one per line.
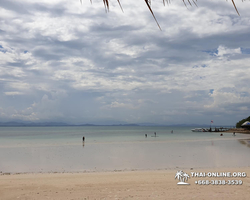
(148, 3)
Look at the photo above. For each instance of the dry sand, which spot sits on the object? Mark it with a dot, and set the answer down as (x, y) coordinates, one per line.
(144, 185)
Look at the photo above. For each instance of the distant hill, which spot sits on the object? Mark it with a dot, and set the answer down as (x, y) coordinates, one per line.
(125, 125)
(20, 124)
(12, 123)
(239, 123)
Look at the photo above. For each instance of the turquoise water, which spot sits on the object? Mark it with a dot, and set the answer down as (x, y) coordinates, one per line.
(108, 148)
(19, 136)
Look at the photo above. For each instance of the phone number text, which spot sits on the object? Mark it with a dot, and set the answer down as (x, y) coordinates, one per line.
(219, 182)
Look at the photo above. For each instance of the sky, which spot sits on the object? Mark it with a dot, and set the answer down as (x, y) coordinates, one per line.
(63, 61)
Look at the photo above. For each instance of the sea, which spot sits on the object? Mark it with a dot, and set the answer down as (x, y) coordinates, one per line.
(117, 148)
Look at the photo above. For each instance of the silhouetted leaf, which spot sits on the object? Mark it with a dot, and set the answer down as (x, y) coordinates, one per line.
(148, 2)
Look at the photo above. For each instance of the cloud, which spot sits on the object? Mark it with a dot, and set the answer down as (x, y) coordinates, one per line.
(226, 51)
(116, 104)
(61, 61)
(12, 93)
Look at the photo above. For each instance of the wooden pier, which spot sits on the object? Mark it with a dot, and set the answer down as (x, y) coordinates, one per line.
(220, 129)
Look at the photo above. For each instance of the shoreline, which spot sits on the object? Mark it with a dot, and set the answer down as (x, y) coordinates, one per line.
(122, 171)
(156, 184)
(238, 130)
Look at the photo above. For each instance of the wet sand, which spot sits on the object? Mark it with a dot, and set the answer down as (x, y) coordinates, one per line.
(153, 184)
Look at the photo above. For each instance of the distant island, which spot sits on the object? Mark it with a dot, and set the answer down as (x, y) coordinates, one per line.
(31, 124)
(44, 124)
(238, 124)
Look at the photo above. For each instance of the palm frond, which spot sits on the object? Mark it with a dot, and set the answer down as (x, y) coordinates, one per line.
(149, 6)
(148, 3)
(235, 7)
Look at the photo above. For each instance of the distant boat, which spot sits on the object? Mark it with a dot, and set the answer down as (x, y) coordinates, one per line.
(199, 130)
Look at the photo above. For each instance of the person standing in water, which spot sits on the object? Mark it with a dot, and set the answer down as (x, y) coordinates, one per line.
(155, 134)
(83, 141)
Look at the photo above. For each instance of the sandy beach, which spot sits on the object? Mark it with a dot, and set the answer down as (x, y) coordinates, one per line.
(153, 184)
